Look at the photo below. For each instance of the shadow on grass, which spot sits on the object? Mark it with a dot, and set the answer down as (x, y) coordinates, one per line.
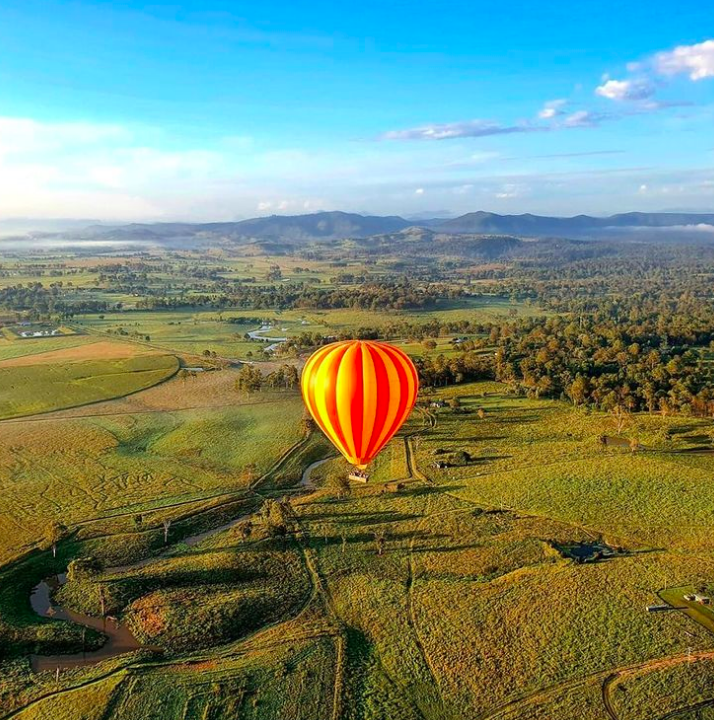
(362, 518)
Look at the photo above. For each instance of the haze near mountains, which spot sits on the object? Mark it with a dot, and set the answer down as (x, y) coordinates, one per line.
(327, 226)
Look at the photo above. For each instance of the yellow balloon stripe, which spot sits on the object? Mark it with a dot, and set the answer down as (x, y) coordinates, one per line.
(326, 400)
(308, 387)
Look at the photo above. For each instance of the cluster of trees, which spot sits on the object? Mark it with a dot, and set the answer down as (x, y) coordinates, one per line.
(609, 364)
(251, 379)
(464, 367)
(387, 295)
(40, 302)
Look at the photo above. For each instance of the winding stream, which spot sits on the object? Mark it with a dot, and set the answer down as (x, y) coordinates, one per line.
(258, 335)
(120, 638)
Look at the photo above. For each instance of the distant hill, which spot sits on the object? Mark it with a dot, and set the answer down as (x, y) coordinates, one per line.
(285, 228)
(580, 225)
(324, 225)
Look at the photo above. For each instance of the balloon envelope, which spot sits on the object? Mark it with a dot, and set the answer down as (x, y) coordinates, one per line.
(359, 393)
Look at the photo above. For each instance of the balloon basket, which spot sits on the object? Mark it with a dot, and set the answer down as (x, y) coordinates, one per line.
(358, 475)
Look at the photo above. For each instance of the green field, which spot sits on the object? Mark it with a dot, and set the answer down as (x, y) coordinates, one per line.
(11, 348)
(189, 331)
(28, 390)
(470, 582)
(185, 331)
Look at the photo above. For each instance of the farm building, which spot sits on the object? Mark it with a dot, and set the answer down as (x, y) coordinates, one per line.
(699, 598)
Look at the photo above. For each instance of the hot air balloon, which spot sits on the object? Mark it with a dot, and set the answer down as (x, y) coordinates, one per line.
(359, 393)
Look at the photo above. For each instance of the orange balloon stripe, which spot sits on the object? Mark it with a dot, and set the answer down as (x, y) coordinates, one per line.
(407, 396)
(389, 395)
(348, 390)
(308, 381)
(360, 393)
(369, 396)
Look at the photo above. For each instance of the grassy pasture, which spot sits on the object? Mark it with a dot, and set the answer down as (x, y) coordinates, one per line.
(31, 389)
(463, 597)
(34, 346)
(544, 457)
(178, 440)
(191, 331)
(183, 331)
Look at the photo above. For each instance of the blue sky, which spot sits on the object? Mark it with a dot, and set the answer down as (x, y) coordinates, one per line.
(221, 110)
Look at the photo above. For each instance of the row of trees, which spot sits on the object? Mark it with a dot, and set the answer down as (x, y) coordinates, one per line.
(402, 295)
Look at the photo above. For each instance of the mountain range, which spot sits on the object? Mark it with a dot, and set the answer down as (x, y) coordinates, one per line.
(326, 226)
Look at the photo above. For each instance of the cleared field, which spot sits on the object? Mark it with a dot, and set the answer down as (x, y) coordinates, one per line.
(95, 350)
(21, 348)
(195, 331)
(127, 455)
(183, 331)
(545, 457)
(28, 389)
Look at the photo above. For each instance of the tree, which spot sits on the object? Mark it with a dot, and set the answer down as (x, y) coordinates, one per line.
(340, 483)
(244, 529)
(380, 540)
(249, 379)
(578, 390)
(54, 532)
(292, 377)
(621, 415)
(279, 517)
(84, 568)
(307, 424)
(167, 526)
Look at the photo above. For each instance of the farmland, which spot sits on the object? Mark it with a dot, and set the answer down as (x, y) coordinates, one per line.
(32, 384)
(497, 564)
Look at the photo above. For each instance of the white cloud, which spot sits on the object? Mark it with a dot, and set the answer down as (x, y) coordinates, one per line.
(463, 129)
(419, 191)
(511, 190)
(639, 89)
(552, 109)
(696, 61)
(584, 119)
